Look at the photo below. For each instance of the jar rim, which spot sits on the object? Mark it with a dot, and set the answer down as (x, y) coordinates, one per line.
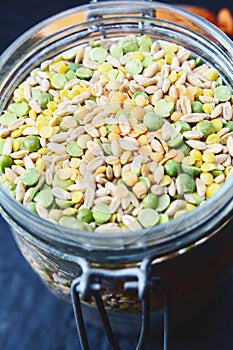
(173, 230)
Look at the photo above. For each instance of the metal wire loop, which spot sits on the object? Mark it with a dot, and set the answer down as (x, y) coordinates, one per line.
(88, 286)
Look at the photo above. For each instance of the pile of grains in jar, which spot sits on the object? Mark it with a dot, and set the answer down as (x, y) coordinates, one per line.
(117, 136)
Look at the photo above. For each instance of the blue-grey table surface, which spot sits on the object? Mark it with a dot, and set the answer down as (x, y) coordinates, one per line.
(32, 318)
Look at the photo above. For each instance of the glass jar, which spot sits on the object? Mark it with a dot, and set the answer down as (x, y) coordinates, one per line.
(193, 255)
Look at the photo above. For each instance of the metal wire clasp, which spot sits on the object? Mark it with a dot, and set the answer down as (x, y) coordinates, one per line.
(88, 286)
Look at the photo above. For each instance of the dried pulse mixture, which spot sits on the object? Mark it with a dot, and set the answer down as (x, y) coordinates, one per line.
(117, 136)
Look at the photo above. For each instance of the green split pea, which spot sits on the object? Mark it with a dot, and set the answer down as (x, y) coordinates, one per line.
(31, 177)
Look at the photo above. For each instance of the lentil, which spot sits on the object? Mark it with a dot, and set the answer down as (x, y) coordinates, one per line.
(186, 183)
(229, 125)
(164, 202)
(152, 121)
(85, 215)
(150, 201)
(222, 93)
(206, 127)
(45, 197)
(31, 143)
(5, 162)
(172, 167)
(197, 107)
(101, 213)
(164, 108)
(148, 218)
(31, 177)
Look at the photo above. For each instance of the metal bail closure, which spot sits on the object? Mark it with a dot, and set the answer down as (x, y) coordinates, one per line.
(88, 286)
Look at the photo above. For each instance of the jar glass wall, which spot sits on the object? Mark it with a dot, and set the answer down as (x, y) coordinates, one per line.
(181, 248)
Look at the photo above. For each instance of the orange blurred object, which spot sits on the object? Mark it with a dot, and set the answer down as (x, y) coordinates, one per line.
(200, 11)
(225, 21)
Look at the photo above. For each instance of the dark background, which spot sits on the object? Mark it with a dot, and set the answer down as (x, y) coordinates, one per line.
(16, 16)
(31, 318)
